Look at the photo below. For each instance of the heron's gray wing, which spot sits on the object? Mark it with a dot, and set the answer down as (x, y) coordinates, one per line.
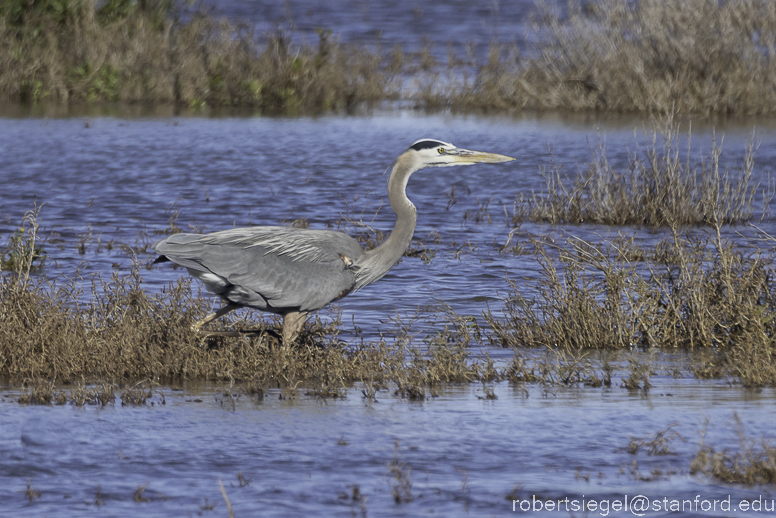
(271, 267)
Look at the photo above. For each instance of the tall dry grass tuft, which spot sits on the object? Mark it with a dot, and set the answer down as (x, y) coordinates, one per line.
(753, 463)
(705, 296)
(24, 254)
(160, 52)
(658, 56)
(662, 185)
(114, 331)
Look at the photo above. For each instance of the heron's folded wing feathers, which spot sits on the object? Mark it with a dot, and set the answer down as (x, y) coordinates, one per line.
(287, 267)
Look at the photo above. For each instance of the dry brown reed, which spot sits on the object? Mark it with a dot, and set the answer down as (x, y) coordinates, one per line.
(753, 463)
(152, 52)
(710, 297)
(698, 56)
(52, 332)
(658, 56)
(661, 185)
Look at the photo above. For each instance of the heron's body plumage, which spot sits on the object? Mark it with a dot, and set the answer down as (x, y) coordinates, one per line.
(275, 269)
(292, 271)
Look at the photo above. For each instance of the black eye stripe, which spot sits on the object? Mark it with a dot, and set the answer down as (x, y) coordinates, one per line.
(426, 144)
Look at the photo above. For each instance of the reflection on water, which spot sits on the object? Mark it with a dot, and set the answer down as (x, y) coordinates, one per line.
(305, 456)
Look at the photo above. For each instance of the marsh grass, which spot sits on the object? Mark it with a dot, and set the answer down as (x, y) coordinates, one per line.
(660, 444)
(401, 478)
(753, 463)
(38, 392)
(164, 52)
(662, 185)
(554, 367)
(656, 473)
(639, 376)
(66, 330)
(698, 56)
(139, 394)
(98, 394)
(712, 298)
(30, 493)
(24, 252)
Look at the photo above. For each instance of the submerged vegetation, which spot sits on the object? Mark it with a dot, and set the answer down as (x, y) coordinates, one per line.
(701, 56)
(753, 463)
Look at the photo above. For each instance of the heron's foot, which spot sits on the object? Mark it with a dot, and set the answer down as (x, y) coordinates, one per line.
(197, 327)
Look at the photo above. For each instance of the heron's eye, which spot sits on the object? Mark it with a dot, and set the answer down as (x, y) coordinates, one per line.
(441, 151)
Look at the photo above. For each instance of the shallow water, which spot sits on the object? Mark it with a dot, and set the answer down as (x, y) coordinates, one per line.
(112, 180)
(118, 180)
(463, 455)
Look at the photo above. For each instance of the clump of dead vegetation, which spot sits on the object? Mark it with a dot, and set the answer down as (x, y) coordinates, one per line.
(160, 51)
(706, 295)
(661, 185)
(66, 330)
(699, 56)
(702, 295)
(753, 463)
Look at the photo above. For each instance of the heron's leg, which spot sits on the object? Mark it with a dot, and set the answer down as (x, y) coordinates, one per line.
(218, 314)
(292, 324)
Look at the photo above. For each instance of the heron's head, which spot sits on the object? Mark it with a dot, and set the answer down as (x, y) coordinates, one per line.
(435, 153)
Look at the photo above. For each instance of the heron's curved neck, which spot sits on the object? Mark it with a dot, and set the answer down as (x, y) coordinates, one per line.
(377, 262)
(406, 213)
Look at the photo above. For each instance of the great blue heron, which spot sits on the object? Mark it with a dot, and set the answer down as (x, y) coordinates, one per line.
(293, 271)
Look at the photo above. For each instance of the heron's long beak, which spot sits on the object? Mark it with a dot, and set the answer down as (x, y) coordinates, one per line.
(467, 156)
